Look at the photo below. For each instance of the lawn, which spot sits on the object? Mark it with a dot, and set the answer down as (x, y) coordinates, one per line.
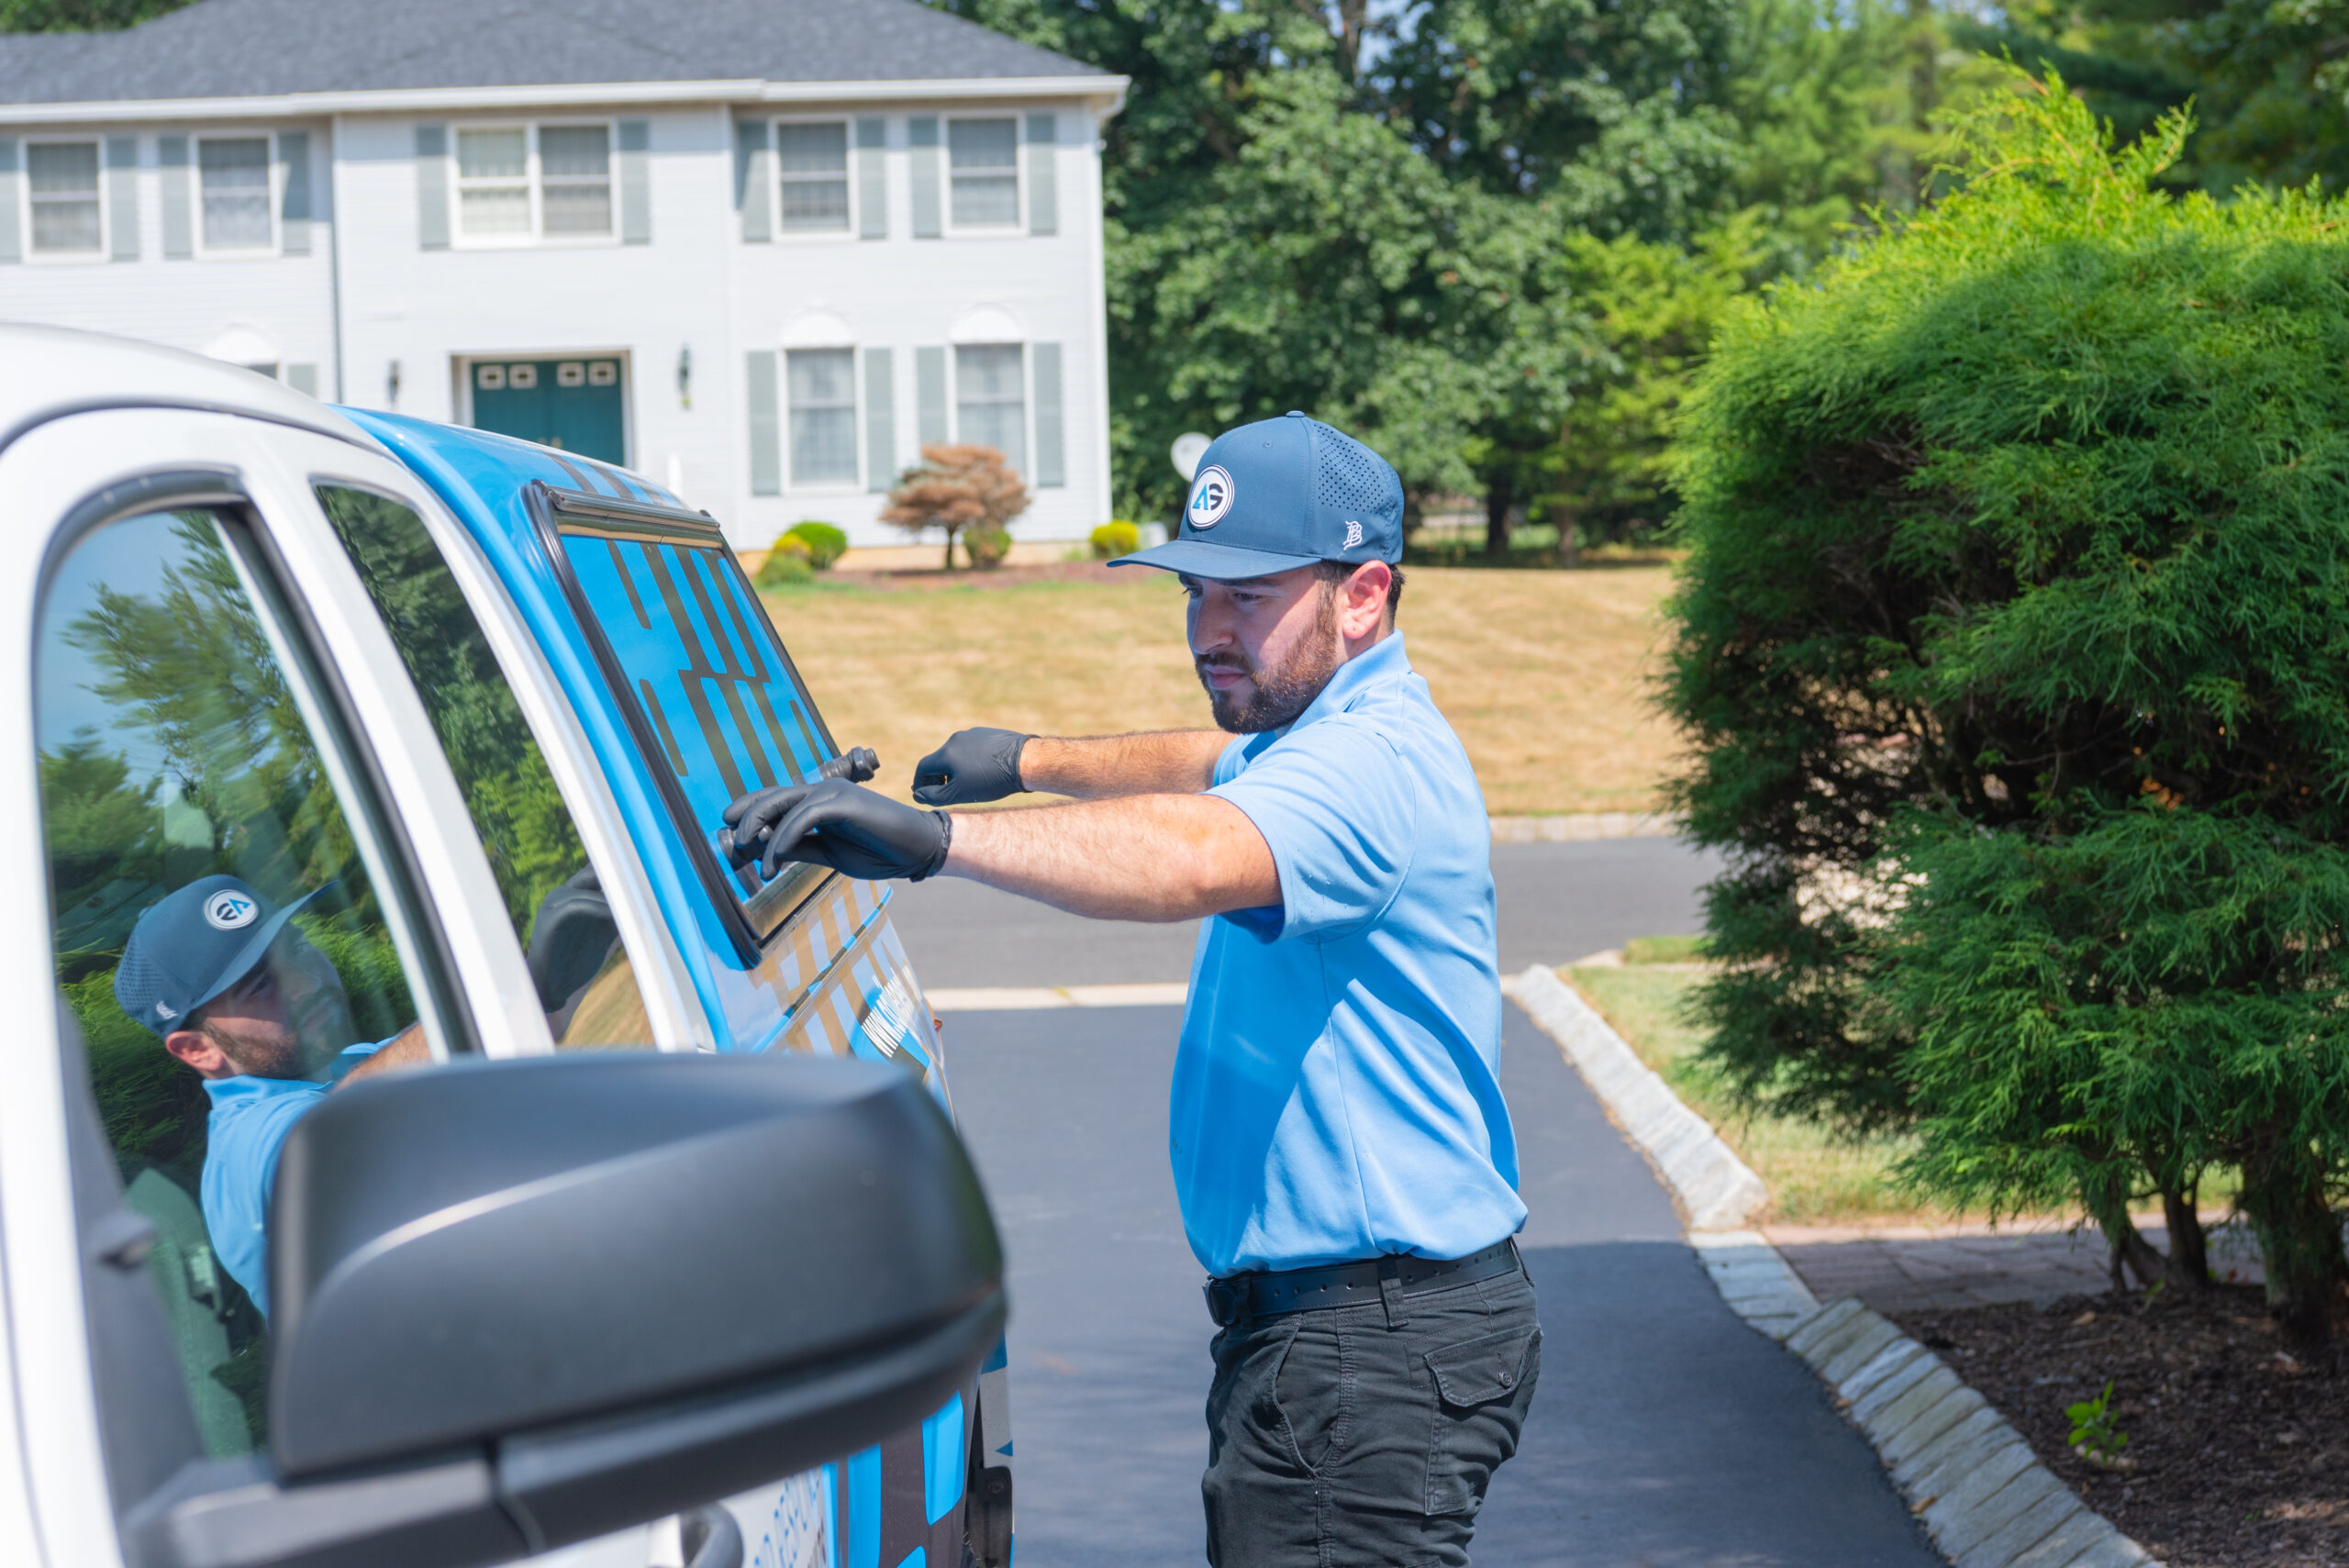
(1543, 673)
(1814, 1178)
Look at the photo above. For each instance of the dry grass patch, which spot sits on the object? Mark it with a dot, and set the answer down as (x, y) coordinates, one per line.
(1543, 673)
(1814, 1178)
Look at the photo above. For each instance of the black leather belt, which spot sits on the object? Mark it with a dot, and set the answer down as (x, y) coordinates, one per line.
(1265, 1292)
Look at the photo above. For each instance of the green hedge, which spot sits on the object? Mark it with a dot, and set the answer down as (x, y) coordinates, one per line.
(2014, 645)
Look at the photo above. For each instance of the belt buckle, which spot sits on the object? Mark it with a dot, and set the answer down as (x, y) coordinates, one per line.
(1226, 1299)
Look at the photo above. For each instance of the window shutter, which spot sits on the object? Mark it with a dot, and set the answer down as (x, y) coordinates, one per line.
(294, 216)
(122, 195)
(766, 438)
(921, 131)
(873, 179)
(12, 241)
(432, 186)
(1051, 465)
(179, 228)
(303, 379)
(929, 395)
(636, 181)
(880, 421)
(1043, 177)
(753, 175)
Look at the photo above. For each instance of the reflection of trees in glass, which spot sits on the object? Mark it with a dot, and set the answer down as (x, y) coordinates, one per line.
(229, 780)
(191, 669)
(523, 823)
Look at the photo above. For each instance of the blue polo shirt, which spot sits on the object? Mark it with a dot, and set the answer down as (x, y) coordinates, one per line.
(242, 1137)
(1336, 1091)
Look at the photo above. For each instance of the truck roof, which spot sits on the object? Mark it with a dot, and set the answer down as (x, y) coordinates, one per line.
(57, 371)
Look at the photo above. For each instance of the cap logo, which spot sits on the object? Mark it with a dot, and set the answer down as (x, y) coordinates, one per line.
(1211, 495)
(229, 910)
(165, 1011)
(1353, 536)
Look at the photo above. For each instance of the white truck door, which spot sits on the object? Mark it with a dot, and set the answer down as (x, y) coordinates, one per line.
(210, 704)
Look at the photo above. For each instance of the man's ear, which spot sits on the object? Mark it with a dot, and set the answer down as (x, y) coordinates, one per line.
(1362, 600)
(195, 1048)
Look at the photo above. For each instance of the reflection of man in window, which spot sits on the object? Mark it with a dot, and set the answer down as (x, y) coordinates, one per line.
(241, 997)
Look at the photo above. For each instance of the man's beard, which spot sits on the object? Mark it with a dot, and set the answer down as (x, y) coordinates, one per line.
(305, 1049)
(1278, 692)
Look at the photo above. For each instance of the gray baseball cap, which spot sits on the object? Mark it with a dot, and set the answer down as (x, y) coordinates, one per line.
(1279, 495)
(193, 944)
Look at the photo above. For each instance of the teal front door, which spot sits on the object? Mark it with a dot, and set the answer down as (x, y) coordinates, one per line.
(573, 405)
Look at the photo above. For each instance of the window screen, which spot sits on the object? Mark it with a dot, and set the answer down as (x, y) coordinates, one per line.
(494, 182)
(983, 156)
(814, 161)
(576, 178)
(990, 409)
(718, 708)
(823, 416)
(62, 179)
(235, 171)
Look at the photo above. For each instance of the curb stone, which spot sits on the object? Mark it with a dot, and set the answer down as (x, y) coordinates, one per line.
(1973, 1480)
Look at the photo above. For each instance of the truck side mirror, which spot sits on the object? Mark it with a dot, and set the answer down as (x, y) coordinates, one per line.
(519, 1303)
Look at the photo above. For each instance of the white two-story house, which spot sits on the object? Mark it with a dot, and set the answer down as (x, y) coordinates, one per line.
(762, 249)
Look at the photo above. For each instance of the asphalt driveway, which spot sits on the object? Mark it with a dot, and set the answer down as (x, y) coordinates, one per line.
(1664, 1431)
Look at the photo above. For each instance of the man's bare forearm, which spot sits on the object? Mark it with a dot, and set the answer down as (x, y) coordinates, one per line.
(1156, 857)
(407, 1048)
(1162, 762)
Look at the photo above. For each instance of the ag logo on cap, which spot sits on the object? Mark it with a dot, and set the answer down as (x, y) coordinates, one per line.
(228, 909)
(1211, 497)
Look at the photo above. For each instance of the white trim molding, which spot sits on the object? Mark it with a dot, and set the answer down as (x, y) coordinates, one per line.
(1106, 92)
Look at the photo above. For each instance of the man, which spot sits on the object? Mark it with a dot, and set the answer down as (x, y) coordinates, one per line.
(1342, 1156)
(241, 997)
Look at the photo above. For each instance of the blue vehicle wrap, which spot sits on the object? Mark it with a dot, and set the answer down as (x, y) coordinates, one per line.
(688, 698)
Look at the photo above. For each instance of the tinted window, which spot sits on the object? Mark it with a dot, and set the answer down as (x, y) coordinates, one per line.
(217, 933)
(585, 981)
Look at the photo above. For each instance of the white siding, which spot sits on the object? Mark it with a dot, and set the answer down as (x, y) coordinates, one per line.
(695, 285)
(285, 301)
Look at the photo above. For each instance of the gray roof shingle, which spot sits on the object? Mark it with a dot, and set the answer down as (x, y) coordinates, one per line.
(237, 49)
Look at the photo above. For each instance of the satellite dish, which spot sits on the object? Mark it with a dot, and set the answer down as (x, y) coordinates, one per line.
(1189, 447)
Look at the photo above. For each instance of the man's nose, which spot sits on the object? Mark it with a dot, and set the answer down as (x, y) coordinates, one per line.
(1210, 629)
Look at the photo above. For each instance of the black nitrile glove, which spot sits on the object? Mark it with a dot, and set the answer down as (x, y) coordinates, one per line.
(841, 825)
(973, 765)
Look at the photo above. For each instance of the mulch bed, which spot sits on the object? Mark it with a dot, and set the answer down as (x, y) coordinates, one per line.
(2240, 1449)
(1001, 577)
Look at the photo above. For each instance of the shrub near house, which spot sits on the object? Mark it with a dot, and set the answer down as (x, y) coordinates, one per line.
(2015, 648)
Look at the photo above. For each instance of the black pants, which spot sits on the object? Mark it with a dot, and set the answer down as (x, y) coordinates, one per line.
(1335, 1440)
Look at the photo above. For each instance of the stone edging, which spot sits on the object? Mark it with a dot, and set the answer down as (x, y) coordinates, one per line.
(1972, 1480)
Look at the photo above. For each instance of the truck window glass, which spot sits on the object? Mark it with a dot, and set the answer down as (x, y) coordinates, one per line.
(582, 970)
(716, 706)
(216, 933)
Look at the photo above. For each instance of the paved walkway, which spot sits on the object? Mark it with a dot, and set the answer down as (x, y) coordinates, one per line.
(1664, 1431)
(1920, 1268)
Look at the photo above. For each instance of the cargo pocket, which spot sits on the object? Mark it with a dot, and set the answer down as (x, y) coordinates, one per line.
(1483, 1389)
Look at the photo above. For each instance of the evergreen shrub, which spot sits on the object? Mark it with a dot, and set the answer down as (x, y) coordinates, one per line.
(2014, 648)
(1114, 538)
(826, 544)
(788, 561)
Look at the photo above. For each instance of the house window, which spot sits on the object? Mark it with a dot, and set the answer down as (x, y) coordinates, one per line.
(813, 160)
(62, 180)
(549, 182)
(234, 171)
(822, 386)
(576, 178)
(983, 156)
(990, 409)
(494, 183)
